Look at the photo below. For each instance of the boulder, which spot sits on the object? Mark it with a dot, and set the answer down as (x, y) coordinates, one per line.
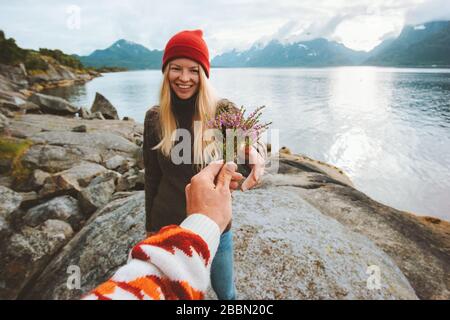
(5, 230)
(9, 200)
(98, 249)
(29, 106)
(4, 124)
(13, 77)
(53, 158)
(140, 182)
(64, 208)
(97, 115)
(97, 140)
(71, 181)
(317, 258)
(54, 105)
(106, 176)
(114, 162)
(38, 178)
(85, 113)
(26, 253)
(128, 166)
(127, 182)
(81, 128)
(101, 104)
(96, 195)
(32, 124)
(420, 246)
(29, 199)
(6, 112)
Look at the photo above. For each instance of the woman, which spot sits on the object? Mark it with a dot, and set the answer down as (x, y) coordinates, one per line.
(185, 97)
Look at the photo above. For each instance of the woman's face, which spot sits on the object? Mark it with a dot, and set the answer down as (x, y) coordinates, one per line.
(184, 77)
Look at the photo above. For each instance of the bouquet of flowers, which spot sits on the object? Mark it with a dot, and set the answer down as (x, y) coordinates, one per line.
(238, 132)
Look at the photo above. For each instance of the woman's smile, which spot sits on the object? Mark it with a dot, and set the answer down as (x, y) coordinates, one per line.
(184, 77)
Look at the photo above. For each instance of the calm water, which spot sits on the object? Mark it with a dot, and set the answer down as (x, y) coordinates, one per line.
(389, 129)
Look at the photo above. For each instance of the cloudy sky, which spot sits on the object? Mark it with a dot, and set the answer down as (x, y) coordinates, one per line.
(83, 26)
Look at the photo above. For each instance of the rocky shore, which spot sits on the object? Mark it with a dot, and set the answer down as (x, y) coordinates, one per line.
(71, 194)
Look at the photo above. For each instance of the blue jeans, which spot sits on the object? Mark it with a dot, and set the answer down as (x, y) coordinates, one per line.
(222, 273)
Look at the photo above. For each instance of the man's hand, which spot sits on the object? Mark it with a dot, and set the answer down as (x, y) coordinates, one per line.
(209, 198)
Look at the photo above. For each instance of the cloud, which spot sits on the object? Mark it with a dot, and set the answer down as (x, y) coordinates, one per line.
(432, 10)
(227, 24)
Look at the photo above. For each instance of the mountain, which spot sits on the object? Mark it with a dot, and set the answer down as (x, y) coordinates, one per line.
(124, 54)
(314, 53)
(418, 46)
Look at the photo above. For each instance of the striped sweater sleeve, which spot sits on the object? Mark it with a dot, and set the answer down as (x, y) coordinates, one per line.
(169, 265)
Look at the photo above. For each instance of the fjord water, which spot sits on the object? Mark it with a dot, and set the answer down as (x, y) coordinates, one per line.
(387, 128)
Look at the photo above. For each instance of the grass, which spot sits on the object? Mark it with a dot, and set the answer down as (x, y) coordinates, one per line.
(13, 150)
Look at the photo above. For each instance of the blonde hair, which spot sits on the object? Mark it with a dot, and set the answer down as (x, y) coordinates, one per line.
(205, 109)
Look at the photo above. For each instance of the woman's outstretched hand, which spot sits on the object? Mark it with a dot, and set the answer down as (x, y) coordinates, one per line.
(257, 165)
(234, 184)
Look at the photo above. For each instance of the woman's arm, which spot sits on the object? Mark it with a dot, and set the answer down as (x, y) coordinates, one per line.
(152, 168)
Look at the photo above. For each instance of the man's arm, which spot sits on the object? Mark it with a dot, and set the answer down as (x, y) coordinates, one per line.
(175, 262)
(172, 264)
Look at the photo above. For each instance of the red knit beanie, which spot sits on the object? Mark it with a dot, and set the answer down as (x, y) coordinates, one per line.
(187, 44)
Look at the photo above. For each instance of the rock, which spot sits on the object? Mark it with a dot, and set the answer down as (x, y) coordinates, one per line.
(85, 113)
(29, 199)
(121, 195)
(11, 105)
(71, 181)
(54, 158)
(139, 156)
(38, 178)
(26, 253)
(98, 249)
(98, 115)
(101, 104)
(29, 106)
(106, 176)
(127, 182)
(96, 140)
(127, 119)
(5, 230)
(54, 105)
(96, 196)
(6, 181)
(4, 124)
(316, 256)
(81, 128)
(32, 124)
(420, 249)
(285, 150)
(127, 166)
(114, 162)
(64, 208)
(292, 164)
(13, 77)
(6, 112)
(9, 200)
(140, 182)
(139, 141)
